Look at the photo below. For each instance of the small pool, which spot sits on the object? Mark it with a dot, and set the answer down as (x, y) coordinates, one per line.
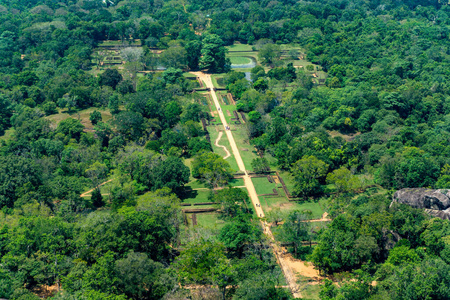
(250, 65)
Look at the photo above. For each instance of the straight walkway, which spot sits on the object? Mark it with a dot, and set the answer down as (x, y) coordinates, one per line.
(290, 277)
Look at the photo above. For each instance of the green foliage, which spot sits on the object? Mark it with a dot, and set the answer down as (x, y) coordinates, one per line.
(19, 176)
(5, 113)
(308, 172)
(342, 247)
(193, 53)
(295, 230)
(111, 77)
(231, 202)
(269, 54)
(379, 109)
(49, 108)
(343, 180)
(261, 85)
(171, 75)
(95, 117)
(198, 144)
(97, 198)
(260, 165)
(213, 55)
(198, 260)
(211, 168)
(238, 234)
(141, 278)
(70, 128)
(153, 170)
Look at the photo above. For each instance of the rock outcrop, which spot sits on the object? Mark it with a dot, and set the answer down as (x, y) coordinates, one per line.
(434, 202)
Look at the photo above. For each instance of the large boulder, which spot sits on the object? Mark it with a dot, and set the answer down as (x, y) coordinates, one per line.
(434, 202)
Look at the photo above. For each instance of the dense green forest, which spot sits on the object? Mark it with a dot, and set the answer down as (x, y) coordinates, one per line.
(103, 142)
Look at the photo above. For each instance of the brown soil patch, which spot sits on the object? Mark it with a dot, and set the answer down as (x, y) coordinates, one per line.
(347, 137)
(45, 291)
(228, 113)
(286, 205)
(301, 267)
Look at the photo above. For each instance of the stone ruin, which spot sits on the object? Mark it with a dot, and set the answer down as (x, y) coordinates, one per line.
(434, 202)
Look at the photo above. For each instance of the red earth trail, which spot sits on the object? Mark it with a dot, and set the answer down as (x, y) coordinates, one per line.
(277, 250)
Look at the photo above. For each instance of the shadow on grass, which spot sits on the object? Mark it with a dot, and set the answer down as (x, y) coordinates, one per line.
(186, 193)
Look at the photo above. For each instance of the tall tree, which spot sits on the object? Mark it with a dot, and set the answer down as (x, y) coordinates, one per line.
(307, 173)
(110, 77)
(213, 56)
(193, 53)
(212, 169)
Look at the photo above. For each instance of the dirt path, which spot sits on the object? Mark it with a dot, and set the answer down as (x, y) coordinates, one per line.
(277, 250)
(223, 147)
(90, 191)
(324, 219)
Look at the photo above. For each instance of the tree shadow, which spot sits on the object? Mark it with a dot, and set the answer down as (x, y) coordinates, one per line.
(186, 193)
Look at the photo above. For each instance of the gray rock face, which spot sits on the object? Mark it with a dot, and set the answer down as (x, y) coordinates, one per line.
(434, 202)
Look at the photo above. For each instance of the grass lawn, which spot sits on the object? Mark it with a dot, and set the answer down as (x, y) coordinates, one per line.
(240, 60)
(188, 163)
(210, 220)
(253, 54)
(310, 289)
(263, 186)
(230, 108)
(273, 162)
(239, 47)
(82, 115)
(288, 180)
(219, 150)
(195, 184)
(316, 208)
(197, 196)
(236, 182)
(241, 139)
(217, 80)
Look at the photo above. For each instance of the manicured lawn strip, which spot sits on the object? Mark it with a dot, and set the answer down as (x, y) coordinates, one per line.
(288, 180)
(245, 53)
(263, 186)
(268, 203)
(210, 220)
(200, 196)
(273, 162)
(219, 150)
(240, 60)
(241, 139)
(188, 163)
(231, 108)
(196, 184)
(213, 134)
(239, 47)
(316, 208)
(217, 80)
(237, 182)
(120, 43)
